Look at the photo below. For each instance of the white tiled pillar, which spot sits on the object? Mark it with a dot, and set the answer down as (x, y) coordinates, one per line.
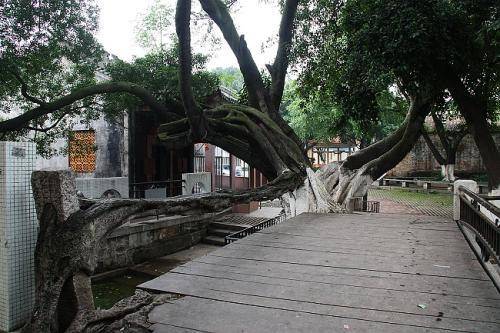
(469, 184)
(18, 233)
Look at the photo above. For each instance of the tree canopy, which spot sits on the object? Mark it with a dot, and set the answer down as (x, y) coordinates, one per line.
(350, 51)
(49, 39)
(356, 59)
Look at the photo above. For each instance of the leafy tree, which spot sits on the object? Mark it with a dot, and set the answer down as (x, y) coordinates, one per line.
(157, 72)
(230, 77)
(49, 39)
(353, 49)
(153, 31)
(315, 119)
(450, 129)
(357, 48)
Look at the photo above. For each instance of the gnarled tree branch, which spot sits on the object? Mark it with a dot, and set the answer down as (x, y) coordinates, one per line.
(22, 120)
(24, 88)
(279, 68)
(193, 112)
(258, 95)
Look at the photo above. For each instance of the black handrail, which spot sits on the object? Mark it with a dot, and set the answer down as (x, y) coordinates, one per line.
(473, 210)
(172, 187)
(253, 229)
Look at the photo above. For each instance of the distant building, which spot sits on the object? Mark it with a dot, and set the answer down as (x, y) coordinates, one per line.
(327, 152)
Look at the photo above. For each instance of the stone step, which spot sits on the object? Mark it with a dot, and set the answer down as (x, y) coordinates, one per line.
(214, 240)
(220, 232)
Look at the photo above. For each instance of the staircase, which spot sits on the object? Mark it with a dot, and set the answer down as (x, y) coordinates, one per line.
(218, 230)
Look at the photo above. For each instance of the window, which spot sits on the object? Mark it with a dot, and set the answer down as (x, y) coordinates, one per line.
(82, 151)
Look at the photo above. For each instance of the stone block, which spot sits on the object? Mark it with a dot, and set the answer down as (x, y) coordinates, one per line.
(57, 188)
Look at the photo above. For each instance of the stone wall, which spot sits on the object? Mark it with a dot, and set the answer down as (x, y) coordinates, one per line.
(421, 160)
(111, 153)
(136, 242)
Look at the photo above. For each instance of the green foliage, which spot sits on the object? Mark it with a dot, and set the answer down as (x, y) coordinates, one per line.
(243, 92)
(50, 46)
(230, 77)
(154, 28)
(350, 52)
(313, 118)
(158, 73)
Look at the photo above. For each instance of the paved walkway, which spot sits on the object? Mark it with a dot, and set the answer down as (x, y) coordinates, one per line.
(334, 273)
(400, 201)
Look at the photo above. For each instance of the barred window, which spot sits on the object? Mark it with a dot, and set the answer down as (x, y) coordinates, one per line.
(82, 151)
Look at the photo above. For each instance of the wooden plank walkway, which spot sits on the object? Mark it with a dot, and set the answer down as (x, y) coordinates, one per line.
(335, 273)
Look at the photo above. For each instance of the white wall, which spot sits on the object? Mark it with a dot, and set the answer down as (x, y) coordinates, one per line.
(18, 234)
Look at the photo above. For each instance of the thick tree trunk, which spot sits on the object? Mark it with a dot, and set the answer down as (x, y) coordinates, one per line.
(382, 156)
(70, 238)
(474, 113)
(448, 172)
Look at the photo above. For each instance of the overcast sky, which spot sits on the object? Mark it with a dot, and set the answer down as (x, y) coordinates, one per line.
(257, 21)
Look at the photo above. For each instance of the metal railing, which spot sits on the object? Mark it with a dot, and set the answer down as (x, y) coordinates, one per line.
(361, 205)
(198, 163)
(483, 218)
(253, 229)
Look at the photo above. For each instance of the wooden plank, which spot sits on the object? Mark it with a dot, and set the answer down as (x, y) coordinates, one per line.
(382, 245)
(411, 283)
(319, 272)
(218, 316)
(345, 298)
(436, 267)
(434, 320)
(414, 252)
(328, 271)
(352, 233)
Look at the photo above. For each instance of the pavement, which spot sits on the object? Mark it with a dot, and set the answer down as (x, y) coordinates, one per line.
(399, 201)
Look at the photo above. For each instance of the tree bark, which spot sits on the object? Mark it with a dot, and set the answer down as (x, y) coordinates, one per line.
(24, 119)
(259, 96)
(435, 152)
(474, 113)
(354, 183)
(193, 112)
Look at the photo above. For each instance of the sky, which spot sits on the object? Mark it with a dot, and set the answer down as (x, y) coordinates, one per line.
(256, 20)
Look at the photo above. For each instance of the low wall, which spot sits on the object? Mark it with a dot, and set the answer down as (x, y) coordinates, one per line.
(137, 242)
(94, 188)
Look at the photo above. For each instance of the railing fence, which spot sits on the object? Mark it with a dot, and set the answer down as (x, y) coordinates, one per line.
(483, 218)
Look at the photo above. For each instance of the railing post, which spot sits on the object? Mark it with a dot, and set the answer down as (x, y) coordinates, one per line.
(495, 192)
(469, 184)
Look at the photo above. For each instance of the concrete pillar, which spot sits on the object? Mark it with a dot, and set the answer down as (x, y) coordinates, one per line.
(427, 186)
(18, 234)
(404, 184)
(495, 193)
(469, 184)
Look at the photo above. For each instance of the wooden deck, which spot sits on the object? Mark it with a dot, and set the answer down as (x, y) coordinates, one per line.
(335, 273)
